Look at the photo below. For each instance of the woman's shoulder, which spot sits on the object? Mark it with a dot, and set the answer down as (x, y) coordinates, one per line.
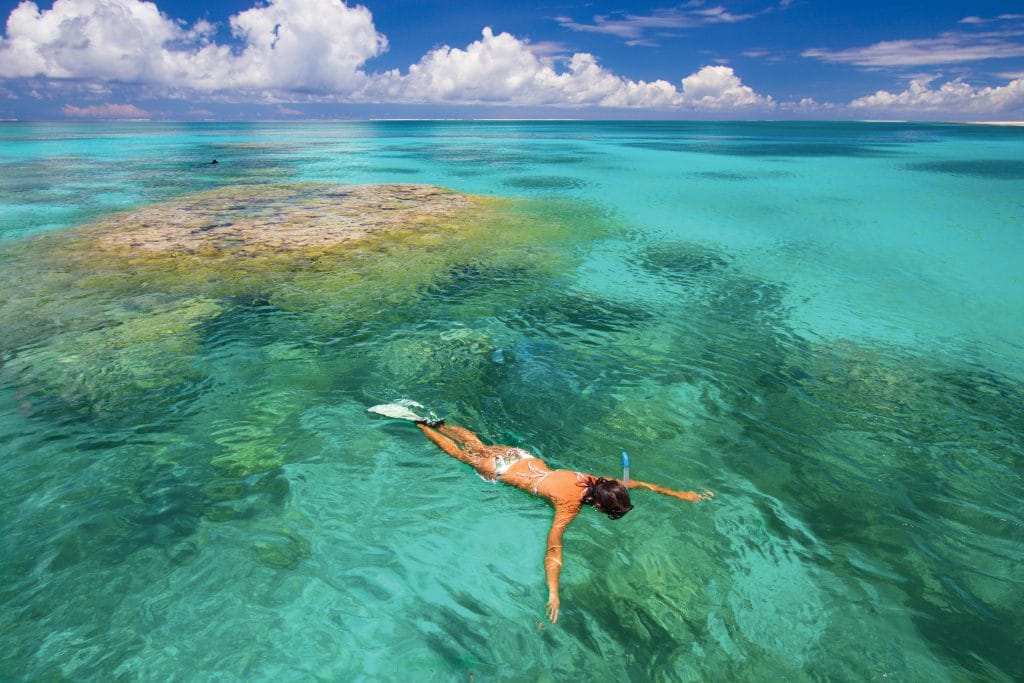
(565, 486)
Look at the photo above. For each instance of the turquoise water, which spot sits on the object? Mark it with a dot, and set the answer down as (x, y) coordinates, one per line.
(820, 322)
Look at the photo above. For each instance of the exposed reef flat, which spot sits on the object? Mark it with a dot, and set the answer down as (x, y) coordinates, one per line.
(268, 219)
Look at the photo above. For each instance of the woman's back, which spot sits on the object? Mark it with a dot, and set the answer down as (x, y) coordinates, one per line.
(562, 488)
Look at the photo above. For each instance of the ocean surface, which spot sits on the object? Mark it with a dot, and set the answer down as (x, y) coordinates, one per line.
(821, 322)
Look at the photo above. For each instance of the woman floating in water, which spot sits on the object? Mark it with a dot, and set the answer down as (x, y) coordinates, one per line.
(567, 491)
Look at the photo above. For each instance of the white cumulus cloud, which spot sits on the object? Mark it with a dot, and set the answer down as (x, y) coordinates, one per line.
(504, 69)
(500, 68)
(317, 45)
(103, 39)
(718, 87)
(297, 45)
(954, 96)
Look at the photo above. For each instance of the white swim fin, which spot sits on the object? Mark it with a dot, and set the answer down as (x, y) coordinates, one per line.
(401, 409)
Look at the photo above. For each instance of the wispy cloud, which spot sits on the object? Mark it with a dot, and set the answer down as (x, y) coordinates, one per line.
(106, 111)
(948, 48)
(643, 29)
(988, 20)
(549, 48)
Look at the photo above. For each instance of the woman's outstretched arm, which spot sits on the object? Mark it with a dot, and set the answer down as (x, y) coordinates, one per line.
(553, 557)
(691, 496)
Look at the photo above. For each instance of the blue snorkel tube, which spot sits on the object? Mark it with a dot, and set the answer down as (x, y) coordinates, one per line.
(625, 468)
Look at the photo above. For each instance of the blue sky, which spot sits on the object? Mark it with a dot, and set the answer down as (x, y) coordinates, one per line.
(703, 59)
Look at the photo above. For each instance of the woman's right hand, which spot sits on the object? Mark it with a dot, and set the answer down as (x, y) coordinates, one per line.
(553, 604)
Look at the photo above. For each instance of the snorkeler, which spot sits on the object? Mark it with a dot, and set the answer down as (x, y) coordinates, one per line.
(567, 491)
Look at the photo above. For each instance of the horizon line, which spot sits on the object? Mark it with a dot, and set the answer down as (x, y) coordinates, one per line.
(1013, 123)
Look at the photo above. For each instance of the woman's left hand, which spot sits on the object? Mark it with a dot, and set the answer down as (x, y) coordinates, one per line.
(693, 496)
(553, 604)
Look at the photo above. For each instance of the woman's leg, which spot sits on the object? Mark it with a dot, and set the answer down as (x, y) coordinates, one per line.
(462, 434)
(481, 463)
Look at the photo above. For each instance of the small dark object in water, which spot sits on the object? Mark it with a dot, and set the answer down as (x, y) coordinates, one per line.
(213, 162)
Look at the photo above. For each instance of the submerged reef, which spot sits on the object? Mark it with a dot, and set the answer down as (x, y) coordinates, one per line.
(144, 350)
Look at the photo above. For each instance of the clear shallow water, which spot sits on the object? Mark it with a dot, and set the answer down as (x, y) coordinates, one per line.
(820, 322)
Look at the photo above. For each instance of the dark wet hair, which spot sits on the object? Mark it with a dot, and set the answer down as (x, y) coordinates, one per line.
(609, 494)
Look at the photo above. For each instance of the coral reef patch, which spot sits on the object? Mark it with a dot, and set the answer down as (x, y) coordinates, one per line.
(264, 219)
